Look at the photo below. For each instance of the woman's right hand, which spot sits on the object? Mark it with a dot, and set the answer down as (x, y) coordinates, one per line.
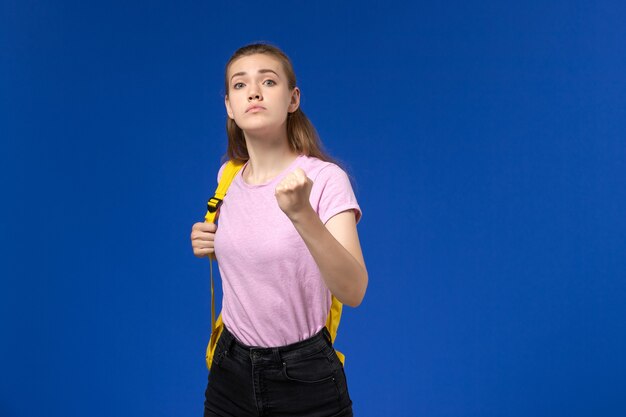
(203, 239)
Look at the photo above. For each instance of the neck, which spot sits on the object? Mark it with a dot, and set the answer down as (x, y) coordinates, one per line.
(269, 156)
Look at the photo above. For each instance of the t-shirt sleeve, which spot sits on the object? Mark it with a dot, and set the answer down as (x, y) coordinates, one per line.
(336, 193)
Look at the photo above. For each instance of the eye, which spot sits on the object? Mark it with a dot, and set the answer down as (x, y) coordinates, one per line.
(271, 82)
(237, 84)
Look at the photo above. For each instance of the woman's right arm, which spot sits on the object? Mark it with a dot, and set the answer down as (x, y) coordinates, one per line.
(203, 239)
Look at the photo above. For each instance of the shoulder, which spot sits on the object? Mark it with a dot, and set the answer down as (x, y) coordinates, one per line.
(318, 170)
(219, 172)
(231, 165)
(332, 190)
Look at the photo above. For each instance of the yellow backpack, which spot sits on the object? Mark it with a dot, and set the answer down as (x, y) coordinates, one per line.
(334, 315)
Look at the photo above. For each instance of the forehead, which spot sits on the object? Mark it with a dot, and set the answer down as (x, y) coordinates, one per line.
(252, 63)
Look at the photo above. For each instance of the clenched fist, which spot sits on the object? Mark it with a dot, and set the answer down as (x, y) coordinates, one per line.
(293, 193)
(203, 239)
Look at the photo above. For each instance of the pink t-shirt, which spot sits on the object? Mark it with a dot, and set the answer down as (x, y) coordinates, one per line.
(274, 293)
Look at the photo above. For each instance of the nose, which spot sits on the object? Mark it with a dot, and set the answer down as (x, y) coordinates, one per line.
(254, 93)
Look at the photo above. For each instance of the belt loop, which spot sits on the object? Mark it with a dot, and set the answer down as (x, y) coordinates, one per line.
(230, 340)
(276, 355)
(327, 335)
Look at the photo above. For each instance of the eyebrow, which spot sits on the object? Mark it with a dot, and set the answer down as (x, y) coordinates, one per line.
(261, 71)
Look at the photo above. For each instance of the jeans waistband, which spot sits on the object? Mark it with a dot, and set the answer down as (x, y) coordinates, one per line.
(304, 348)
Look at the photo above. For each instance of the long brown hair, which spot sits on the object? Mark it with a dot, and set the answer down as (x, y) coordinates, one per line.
(302, 136)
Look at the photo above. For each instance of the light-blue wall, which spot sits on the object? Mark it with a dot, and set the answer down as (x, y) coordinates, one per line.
(488, 144)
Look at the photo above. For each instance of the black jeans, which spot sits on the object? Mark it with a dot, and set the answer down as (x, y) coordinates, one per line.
(302, 379)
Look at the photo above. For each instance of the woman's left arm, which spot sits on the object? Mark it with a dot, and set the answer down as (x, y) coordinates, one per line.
(335, 246)
(337, 252)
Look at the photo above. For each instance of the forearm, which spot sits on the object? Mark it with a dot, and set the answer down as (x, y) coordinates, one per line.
(344, 276)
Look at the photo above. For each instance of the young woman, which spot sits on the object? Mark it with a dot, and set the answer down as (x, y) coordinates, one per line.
(286, 241)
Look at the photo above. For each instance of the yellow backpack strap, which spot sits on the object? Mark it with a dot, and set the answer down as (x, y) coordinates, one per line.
(228, 174)
(332, 324)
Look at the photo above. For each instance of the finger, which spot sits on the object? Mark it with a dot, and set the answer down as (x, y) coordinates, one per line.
(200, 253)
(299, 174)
(284, 189)
(206, 244)
(202, 242)
(205, 227)
(204, 235)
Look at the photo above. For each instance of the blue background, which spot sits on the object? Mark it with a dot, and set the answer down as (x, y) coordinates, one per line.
(487, 141)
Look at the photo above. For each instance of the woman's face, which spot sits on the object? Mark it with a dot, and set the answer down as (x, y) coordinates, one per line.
(258, 97)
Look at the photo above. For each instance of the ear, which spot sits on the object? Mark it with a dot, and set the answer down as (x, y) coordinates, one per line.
(229, 110)
(294, 103)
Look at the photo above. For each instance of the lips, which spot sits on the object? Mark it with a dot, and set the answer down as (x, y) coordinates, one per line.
(251, 108)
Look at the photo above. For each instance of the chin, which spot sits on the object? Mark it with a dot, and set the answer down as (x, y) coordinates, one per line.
(255, 127)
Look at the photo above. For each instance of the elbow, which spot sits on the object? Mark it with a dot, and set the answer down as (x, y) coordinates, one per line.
(358, 293)
(355, 303)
